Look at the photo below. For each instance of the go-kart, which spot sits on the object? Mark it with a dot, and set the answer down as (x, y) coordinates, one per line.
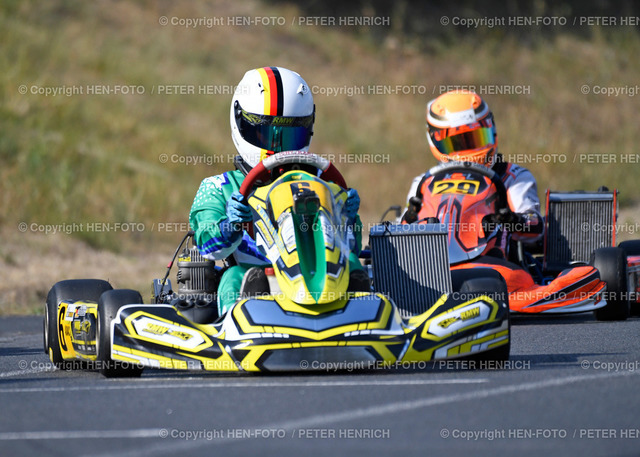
(302, 313)
(576, 269)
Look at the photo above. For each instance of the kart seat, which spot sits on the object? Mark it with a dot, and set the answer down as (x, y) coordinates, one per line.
(254, 283)
(359, 281)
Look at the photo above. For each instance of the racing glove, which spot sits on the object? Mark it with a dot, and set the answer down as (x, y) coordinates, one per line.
(238, 212)
(352, 205)
(504, 216)
(527, 223)
(413, 208)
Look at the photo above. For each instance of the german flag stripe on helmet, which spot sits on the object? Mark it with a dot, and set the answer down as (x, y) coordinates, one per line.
(273, 92)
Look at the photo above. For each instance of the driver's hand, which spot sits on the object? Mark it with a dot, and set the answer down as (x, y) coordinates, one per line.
(238, 212)
(352, 205)
(504, 217)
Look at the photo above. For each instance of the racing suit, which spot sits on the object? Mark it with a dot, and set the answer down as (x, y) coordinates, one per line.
(522, 198)
(209, 211)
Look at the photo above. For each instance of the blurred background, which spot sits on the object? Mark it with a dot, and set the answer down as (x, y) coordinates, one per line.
(112, 112)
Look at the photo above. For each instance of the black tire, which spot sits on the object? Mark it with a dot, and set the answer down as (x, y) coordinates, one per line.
(480, 281)
(612, 266)
(71, 289)
(108, 305)
(470, 283)
(632, 247)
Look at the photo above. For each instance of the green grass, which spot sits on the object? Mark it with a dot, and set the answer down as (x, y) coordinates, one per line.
(95, 158)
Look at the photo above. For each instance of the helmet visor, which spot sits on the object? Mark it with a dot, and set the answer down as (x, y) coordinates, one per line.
(465, 138)
(275, 133)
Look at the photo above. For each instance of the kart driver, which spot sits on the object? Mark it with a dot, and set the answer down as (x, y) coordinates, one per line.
(272, 111)
(460, 127)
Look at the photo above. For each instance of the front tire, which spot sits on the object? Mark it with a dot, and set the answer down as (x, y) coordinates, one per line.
(612, 266)
(471, 283)
(71, 289)
(108, 305)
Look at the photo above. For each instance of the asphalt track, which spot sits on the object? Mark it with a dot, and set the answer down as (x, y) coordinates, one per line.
(572, 388)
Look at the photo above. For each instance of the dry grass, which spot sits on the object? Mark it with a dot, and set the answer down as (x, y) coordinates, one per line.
(32, 263)
(95, 158)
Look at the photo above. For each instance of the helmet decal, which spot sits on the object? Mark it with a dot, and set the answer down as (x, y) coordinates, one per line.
(272, 89)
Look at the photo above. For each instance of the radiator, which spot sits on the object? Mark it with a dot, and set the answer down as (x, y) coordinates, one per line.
(577, 223)
(410, 264)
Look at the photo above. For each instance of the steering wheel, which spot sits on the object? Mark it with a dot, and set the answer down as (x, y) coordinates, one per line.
(261, 171)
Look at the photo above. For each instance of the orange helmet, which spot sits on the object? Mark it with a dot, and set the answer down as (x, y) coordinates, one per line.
(460, 127)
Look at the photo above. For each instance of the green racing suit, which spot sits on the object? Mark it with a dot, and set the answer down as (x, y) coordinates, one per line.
(209, 210)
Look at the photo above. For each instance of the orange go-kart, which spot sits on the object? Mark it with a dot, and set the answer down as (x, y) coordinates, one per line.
(576, 267)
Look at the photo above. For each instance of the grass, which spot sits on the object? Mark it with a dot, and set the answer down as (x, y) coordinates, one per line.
(88, 158)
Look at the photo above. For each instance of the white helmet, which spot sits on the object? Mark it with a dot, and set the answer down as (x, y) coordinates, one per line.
(272, 111)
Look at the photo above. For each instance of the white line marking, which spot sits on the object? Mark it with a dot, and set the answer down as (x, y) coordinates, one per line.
(25, 371)
(164, 447)
(19, 336)
(81, 435)
(213, 385)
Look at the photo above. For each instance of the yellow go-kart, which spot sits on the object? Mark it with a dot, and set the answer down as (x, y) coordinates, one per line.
(306, 312)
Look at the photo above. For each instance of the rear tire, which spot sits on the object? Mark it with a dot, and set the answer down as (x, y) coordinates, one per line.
(71, 289)
(108, 305)
(471, 283)
(480, 281)
(632, 248)
(612, 266)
